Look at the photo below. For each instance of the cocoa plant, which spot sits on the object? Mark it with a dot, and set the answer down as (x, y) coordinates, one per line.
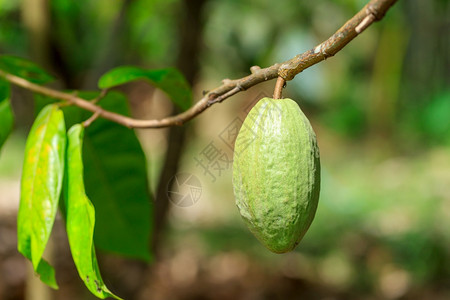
(99, 161)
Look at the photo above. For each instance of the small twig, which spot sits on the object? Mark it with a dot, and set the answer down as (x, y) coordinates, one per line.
(373, 11)
(91, 119)
(100, 97)
(228, 94)
(278, 91)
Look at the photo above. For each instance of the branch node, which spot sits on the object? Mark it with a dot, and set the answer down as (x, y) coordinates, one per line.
(240, 87)
(318, 48)
(377, 13)
(228, 94)
(226, 81)
(287, 72)
(255, 69)
(369, 19)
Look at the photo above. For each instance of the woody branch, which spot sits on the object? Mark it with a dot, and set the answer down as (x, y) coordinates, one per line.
(373, 11)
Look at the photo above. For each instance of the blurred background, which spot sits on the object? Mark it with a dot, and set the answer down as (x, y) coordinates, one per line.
(380, 109)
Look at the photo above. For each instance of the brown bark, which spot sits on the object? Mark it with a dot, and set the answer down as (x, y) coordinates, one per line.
(372, 12)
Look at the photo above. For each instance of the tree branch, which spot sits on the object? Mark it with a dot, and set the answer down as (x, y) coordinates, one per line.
(373, 11)
(278, 91)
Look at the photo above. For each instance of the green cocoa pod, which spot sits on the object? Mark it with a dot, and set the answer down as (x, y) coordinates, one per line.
(276, 173)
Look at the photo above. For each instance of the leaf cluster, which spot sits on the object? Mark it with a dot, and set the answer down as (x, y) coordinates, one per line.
(96, 175)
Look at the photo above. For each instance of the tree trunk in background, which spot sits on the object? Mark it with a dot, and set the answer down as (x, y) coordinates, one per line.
(130, 278)
(36, 18)
(385, 83)
(190, 40)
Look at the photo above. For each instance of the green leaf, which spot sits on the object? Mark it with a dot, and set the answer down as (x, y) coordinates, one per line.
(24, 68)
(116, 182)
(115, 177)
(170, 80)
(40, 189)
(80, 217)
(6, 115)
(47, 274)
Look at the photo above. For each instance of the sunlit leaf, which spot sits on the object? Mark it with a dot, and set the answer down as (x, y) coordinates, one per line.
(115, 178)
(40, 189)
(24, 68)
(169, 80)
(6, 115)
(80, 217)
